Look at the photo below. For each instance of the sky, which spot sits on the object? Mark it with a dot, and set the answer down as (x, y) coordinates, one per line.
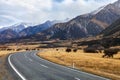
(39, 11)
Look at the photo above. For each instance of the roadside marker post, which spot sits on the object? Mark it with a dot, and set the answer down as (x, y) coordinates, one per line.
(73, 65)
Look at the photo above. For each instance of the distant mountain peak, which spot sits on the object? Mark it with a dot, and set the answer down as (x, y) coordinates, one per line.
(22, 23)
(16, 27)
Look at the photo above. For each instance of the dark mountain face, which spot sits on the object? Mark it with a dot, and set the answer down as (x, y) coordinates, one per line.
(90, 24)
(111, 35)
(8, 34)
(113, 30)
(72, 29)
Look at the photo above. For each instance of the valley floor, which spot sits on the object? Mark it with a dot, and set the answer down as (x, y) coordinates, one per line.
(89, 62)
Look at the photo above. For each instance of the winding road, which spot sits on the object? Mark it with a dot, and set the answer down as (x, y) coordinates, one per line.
(28, 66)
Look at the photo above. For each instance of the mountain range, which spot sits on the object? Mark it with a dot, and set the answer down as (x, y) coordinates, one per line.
(23, 30)
(90, 24)
(85, 25)
(32, 30)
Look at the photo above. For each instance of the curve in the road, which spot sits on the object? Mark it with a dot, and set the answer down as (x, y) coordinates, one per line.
(31, 67)
(13, 67)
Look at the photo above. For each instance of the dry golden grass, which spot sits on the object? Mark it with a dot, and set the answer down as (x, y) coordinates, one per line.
(4, 74)
(2, 53)
(90, 62)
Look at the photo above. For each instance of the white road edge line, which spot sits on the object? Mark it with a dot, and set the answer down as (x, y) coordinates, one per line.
(19, 74)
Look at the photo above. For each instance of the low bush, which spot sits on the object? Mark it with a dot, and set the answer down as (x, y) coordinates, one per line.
(110, 52)
(74, 50)
(90, 50)
(57, 49)
(68, 50)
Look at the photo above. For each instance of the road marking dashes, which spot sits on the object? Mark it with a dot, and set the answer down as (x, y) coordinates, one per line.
(30, 59)
(43, 65)
(25, 55)
(77, 78)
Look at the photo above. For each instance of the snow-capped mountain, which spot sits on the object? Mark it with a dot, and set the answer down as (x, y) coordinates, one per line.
(32, 30)
(16, 27)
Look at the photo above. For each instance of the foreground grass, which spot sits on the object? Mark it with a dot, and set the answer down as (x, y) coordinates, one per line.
(89, 62)
(4, 74)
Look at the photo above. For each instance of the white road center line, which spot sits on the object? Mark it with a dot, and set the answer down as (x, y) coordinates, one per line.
(30, 59)
(25, 55)
(77, 78)
(43, 65)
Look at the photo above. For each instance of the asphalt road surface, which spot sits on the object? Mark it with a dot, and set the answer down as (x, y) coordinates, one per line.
(28, 66)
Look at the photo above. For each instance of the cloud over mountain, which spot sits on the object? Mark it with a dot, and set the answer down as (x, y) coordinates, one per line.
(37, 11)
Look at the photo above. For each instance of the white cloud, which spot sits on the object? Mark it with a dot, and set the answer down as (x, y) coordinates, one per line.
(37, 11)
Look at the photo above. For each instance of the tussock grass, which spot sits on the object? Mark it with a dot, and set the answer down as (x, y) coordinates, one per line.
(3, 53)
(89, 62)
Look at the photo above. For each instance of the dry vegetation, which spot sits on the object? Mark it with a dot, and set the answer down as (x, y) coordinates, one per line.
(4, 74)
(90, 62)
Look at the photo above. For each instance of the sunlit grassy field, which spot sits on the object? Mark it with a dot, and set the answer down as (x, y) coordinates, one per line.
(2, 53)
(89, 62)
